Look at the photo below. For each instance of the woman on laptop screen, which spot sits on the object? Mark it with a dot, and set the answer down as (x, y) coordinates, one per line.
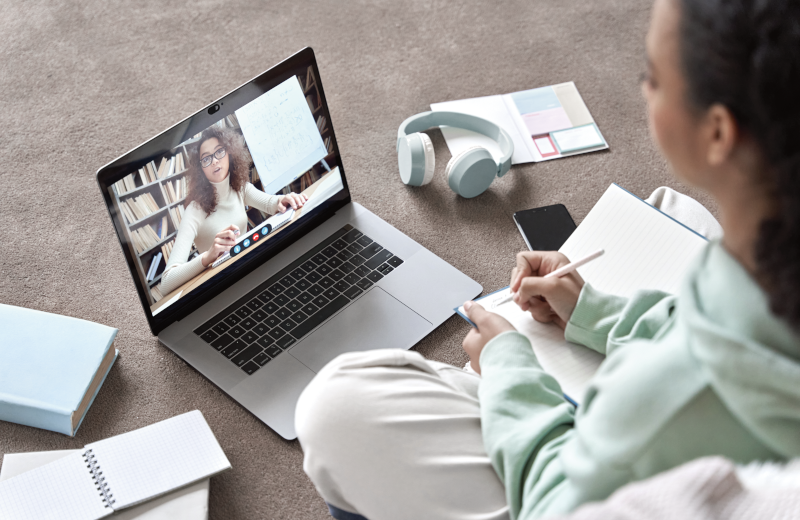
(218, 191)
(710, 370)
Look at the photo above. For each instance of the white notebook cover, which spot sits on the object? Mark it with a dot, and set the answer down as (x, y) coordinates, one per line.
(189, 503)
(129, 469)
(644, 249)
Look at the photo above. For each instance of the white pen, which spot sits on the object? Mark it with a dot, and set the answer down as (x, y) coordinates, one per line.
(558, 273)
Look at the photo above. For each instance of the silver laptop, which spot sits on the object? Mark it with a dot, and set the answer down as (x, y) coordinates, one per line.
(335, 279)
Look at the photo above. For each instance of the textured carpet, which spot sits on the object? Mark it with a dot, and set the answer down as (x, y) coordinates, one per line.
(83, 82)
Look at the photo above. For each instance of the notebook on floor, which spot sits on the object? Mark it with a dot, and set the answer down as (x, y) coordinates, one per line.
(117, 473)
(644, 249)
(188, 503)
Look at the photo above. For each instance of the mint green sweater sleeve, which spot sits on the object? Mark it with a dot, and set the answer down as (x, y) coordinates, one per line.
(605, 322)
(525, 418)
(523, 411)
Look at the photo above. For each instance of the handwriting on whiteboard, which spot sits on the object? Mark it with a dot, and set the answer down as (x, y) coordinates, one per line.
(281, 133)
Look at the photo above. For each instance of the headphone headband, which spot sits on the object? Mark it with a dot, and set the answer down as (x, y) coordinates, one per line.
(427, 120)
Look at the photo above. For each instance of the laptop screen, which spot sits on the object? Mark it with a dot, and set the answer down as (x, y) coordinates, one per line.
(207, 201)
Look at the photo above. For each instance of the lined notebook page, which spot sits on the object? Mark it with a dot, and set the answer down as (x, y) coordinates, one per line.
(160, 458)
(62, 490)
(644, 249)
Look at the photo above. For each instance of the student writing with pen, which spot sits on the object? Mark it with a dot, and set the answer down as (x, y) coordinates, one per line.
(711, 370)
(219, 189)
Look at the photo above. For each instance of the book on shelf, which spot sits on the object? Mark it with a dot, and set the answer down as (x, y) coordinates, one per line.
(328, 145)
(143, 177)
(141, 207)
(176, 190)
(233, 121)
(161, 172)
(311, 102)
(53, 367)
(151, 171)
(151, 273)
(155, 292)
(167, 249)
(176, 213)
(126, 211)
(321, 124)
(254, 178)
(147, 236)
(125, 184)
(309, 78)
(177, 167)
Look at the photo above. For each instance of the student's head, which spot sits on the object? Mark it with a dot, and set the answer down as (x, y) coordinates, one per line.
(217, 155)
(722, 91)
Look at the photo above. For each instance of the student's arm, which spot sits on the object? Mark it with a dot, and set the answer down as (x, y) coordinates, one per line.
(605, 322)
(600, 321)
(178, 270)
(524, 416)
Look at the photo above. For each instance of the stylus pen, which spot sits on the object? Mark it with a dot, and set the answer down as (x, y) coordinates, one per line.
(561, 271)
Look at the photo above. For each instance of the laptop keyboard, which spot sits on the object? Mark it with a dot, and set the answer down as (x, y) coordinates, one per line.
(281, 311)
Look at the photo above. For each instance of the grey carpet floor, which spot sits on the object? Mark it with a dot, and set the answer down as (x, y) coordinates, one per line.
(83, 82)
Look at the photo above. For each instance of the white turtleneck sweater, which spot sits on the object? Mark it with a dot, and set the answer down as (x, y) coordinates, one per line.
(201, 229)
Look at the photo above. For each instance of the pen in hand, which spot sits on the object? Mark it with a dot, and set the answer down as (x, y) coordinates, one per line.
(558, 273)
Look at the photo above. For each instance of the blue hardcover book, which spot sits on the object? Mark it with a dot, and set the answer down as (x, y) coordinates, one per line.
(51, 367)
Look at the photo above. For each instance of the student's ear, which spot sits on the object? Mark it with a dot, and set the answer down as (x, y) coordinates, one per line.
(722, 134)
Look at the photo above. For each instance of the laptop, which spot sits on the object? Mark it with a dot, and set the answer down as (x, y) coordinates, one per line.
(336, 278)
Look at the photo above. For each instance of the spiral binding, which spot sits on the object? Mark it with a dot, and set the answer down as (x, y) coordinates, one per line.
(99, 479)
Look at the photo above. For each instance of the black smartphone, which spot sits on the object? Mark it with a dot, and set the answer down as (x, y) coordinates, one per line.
(545, 229)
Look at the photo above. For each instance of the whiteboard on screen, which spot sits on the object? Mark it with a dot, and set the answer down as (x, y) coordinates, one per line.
(281, 134)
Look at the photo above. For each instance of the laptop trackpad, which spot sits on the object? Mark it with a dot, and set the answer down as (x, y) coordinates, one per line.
(376, 320)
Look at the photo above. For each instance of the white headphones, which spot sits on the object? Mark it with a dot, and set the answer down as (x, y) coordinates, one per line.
(470, 172)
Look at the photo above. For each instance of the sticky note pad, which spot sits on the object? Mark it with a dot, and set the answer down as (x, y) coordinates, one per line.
(578, 138)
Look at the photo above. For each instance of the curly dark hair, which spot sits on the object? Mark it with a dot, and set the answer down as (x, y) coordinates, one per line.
(200, 191)
(745, 55)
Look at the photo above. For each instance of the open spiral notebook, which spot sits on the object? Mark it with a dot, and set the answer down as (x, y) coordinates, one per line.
(644, 249)
(117, 472)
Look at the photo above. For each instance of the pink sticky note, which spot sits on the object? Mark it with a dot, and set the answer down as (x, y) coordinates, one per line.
(546, 121)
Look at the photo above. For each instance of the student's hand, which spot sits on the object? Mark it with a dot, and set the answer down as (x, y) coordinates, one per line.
(293, 200)
(224, 240)
(550, 299)
(489, 325)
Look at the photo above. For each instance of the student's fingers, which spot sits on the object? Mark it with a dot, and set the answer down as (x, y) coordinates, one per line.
(558, 320)
(536, 263)
(522, 269)
(234, 228)
(489, 323)
(532, 287)
(476, 313)
(561, 294)
(541, 311)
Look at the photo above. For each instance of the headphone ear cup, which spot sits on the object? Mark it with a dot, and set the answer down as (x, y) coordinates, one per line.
(457, 157)
(414, 154)
(471, 172)
(430, 158)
